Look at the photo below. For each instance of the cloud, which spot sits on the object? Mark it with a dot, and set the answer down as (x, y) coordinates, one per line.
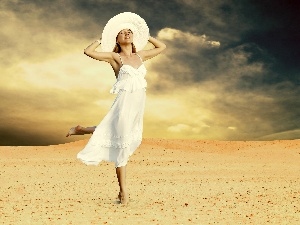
(187, 58)
(169, 34)
(178, 128)
(290, 134)
(232, 128)
(232, 94)
(62, 73)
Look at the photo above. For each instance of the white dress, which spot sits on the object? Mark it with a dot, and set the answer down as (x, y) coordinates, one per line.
(120, 132)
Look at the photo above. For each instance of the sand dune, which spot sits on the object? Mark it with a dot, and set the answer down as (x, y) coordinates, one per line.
(170, 182)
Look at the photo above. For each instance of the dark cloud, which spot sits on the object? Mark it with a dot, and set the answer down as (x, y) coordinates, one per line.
(248, 93)
(269, 109)
(276, 29)
(34, 116)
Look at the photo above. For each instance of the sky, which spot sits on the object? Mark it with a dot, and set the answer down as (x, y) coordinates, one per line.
(230, 70)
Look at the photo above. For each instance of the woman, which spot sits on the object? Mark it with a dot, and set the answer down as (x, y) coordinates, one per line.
(120, 132)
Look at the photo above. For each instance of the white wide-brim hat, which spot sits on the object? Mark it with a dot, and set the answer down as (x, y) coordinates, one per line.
(125, 20)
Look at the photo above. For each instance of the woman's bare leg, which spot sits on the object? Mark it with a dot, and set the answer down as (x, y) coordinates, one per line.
(86, 130)
(79, 130)
(121, 175)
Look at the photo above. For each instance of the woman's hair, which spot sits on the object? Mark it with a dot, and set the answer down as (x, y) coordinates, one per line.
(117, 48)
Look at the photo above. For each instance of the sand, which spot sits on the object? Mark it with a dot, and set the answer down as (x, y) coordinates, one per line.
(169, 181)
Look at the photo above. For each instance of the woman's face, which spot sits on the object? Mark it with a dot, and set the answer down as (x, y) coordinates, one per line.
(125, 36)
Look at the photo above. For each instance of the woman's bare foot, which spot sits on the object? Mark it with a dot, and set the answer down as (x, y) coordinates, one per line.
(78, 130)
(87, 130)
(124, 199)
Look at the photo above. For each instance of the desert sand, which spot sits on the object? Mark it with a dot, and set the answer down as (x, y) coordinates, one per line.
(169, 181)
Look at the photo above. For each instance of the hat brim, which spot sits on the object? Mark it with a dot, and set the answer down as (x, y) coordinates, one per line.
(126, 20)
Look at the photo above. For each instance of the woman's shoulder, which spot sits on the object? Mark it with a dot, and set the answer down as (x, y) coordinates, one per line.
(141, 54)
(116, 63)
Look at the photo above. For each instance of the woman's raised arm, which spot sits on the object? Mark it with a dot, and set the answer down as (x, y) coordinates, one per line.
(148, 54)
(102, 56)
